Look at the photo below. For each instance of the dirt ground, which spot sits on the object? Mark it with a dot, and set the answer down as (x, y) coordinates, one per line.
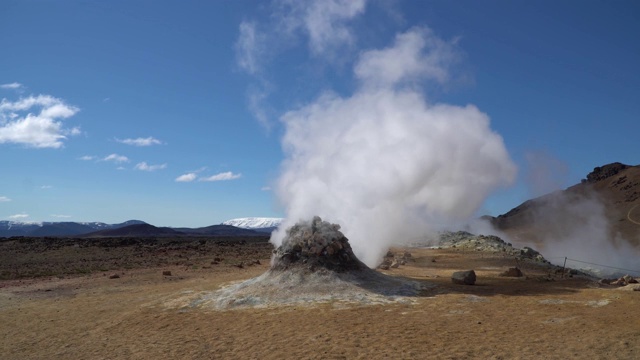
(93, 316)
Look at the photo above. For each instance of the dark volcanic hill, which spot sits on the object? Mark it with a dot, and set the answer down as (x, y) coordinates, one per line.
(608, 198)
(135, 231)
(220, 230)
(63, 228)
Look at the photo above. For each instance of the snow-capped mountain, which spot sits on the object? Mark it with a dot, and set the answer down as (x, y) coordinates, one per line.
(254, 223)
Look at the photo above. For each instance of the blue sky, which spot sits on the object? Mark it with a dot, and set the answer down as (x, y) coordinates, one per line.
(169, 111)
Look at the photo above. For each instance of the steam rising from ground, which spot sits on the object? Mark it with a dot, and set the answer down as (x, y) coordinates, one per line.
(385, 163)
(577, 226)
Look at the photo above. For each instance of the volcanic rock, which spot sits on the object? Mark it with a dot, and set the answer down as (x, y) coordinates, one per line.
(314, 263)
(512, 272)
(464, 277)
(314, 246)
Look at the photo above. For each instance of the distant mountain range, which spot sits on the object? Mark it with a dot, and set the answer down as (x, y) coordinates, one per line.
(17, 228)
(244, 227)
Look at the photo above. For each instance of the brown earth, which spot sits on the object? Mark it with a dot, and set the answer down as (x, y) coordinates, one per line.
(135, 316)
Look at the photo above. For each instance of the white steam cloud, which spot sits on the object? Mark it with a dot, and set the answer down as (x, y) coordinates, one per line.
(384, 163)
(575, 225)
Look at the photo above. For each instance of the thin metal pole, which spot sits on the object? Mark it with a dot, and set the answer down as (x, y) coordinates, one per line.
(564, 265)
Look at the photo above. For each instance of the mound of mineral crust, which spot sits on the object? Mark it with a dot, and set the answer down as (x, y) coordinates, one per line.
(314, 264)
(313, 246)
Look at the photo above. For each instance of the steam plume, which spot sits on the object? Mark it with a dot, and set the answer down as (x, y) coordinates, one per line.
(577, 226)
(384, 163)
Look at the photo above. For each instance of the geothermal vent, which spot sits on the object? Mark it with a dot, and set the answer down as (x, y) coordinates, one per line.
(315, 246)
(314, 264)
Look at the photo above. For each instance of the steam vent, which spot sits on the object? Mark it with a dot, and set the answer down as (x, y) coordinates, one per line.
(315, 246)
(314, 264)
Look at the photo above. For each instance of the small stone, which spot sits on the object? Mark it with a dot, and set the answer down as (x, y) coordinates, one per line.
(166, 273)
(395, 264)
(114, 276)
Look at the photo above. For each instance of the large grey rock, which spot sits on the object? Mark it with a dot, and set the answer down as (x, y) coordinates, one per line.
(464, 277)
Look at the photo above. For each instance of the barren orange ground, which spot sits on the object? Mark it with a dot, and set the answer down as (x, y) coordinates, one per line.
(94, 317)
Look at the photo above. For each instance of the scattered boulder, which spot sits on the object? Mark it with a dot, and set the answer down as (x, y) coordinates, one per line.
(464, 277)
(512, 272)
(623, 281)
(166, 273)
(619, 282)
(386, 263)
(395, 264)
(605, 281)
(114, 276)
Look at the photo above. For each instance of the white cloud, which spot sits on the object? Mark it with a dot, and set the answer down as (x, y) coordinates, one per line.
(18, 216)
(416, 55)
(116, 158)
(222, 177)
(86, 158)
(249, 47)
(257, 98)
(143, 166)
(43, 130)
(73, 131)
(266, 188)
(12, 86)
(4, 199)
(140, 141)
(324, 22)
(44, 187)
(189, 177)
